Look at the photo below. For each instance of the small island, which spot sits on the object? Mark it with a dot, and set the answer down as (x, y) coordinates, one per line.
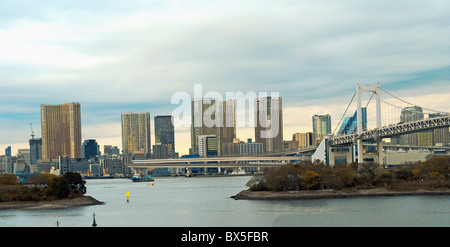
(44, 191)
(316, 180)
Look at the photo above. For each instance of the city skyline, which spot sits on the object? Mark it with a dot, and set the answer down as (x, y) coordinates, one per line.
(119, 57)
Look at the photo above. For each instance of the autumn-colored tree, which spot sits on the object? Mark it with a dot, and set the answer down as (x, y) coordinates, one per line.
(8, 179)
(345, 177)
(436, 176)
(310, 180)
(40, 178)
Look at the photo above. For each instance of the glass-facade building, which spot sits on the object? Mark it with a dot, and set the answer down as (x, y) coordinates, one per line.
(321, 126)
(349, 124)
(164, 131)
(90, 149)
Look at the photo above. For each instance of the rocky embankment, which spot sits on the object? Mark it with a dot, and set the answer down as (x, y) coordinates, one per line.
(65, 203)
(319, 194)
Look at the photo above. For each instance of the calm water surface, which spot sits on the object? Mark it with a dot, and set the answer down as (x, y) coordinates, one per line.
(206, 202)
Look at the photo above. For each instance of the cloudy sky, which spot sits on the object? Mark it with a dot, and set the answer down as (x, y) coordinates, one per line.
(132, 56)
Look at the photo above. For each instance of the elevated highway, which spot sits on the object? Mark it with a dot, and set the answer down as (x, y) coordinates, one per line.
(216, 162)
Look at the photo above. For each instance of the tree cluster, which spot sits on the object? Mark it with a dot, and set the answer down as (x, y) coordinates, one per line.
(433, 173)
(41, 187)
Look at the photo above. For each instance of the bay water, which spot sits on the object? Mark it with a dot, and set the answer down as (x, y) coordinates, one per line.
(206, 202)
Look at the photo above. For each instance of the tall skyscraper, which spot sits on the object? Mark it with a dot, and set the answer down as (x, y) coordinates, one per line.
(269, 123)
(213, 117)
(136, 132)
(35, 150)
(441, 136)
(164, 131)
(61, 130)
(321, 126)
(411, 114)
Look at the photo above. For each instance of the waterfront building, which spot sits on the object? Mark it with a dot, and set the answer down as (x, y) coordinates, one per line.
(164, 132)
(161, 151)
(321, 126)
(90, 149)
(410, 114)
(349, 124)
(269, 123)
(136, 133)
(207, 146)
(112, 166)
(212, 117)
(250, 148)
(304, 139)
(441, 136)
(61, 130)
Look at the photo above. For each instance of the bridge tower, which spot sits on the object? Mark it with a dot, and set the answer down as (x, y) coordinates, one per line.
(359, 90)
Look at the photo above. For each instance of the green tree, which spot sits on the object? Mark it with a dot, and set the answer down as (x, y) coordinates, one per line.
(76, 182)
(58, 188)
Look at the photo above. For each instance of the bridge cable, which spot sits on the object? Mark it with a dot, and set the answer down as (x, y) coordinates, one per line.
(411, 103)
(344, 113)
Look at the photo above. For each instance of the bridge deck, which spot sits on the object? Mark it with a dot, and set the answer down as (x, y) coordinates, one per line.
(394, 130)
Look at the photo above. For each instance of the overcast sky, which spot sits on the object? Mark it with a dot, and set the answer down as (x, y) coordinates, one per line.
(132, 56)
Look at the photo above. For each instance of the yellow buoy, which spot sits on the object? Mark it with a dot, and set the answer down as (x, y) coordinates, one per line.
(128, 196)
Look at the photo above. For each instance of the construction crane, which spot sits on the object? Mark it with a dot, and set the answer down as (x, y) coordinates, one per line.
(32, 132)
(33, 158)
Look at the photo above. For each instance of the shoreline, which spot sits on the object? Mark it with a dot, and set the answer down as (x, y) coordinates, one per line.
(324, 194)
(57, 204)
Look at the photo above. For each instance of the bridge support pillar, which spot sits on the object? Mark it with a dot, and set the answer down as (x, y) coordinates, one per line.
(380, 151)
(360, 151)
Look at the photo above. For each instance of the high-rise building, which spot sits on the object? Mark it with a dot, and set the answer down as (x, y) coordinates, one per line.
(136, 133)
(61, 130)
(208, 146)
(269, 123)
(164, 132)
(410, 114)
(441, 136)
(35, 150)
(212, 117)
(90, 149)
(8, 151)
(321, 126)
(304, 139)
(161, 151)
(110, 150)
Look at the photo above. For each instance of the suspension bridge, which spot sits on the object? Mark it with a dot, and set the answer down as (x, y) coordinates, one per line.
(379, 115)
(404, 123)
